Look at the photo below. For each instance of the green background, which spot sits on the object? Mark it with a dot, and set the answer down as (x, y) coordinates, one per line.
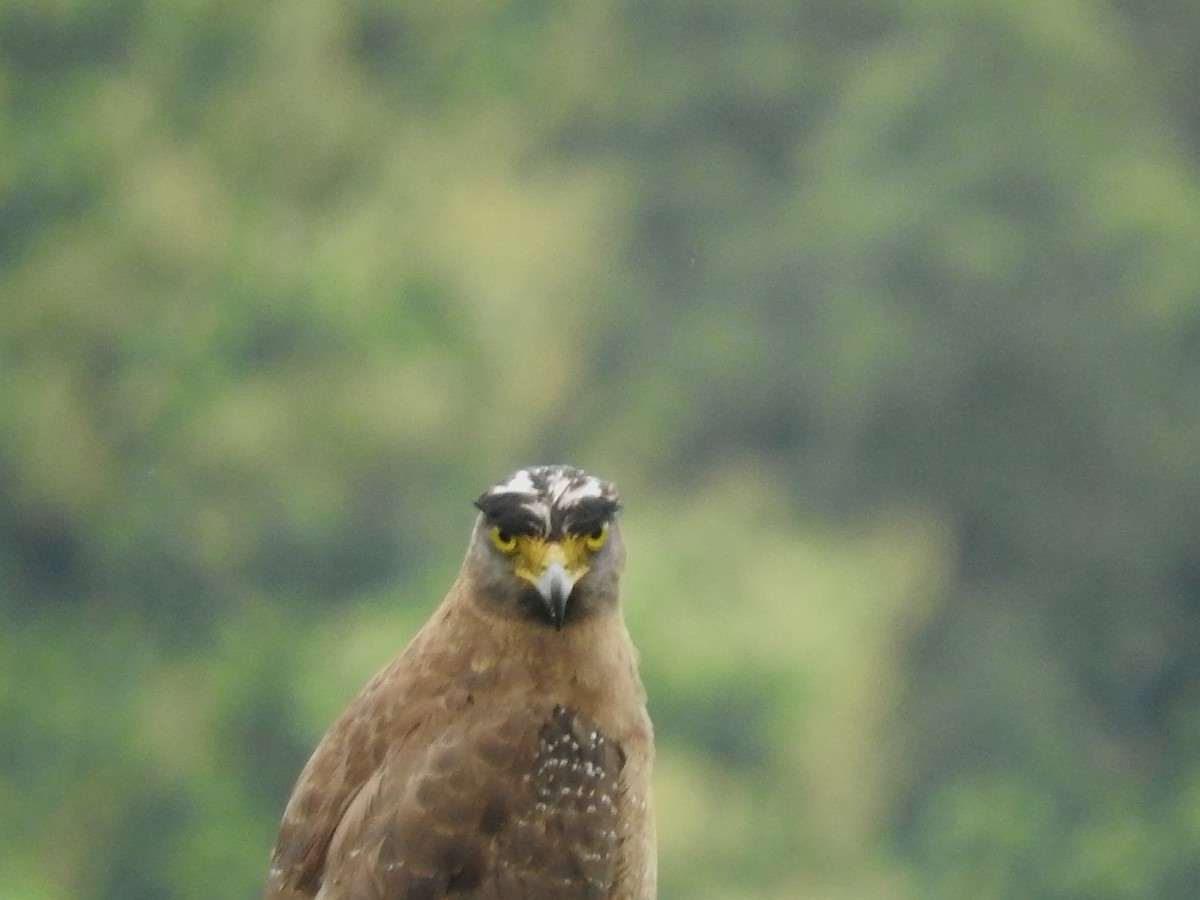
(885, 316)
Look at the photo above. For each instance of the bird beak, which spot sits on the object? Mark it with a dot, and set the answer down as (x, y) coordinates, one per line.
(555, 586)
(552, 568)
(558, 575)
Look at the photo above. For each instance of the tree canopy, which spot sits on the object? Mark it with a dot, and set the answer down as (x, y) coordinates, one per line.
(886, 317)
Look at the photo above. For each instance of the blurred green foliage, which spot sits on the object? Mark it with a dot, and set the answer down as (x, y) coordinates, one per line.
(885, 315)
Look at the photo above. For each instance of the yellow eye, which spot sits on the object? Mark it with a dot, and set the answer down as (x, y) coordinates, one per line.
(505, 542)
(596, 539)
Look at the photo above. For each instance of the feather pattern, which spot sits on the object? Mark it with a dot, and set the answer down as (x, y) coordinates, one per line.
(492, 759)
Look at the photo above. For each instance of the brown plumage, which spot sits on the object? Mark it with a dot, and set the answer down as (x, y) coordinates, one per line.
(506, 753)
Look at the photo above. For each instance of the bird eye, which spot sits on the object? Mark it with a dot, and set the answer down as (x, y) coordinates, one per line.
(504, 541)
(596, 539)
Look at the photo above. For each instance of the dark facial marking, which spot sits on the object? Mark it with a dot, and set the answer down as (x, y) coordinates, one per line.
(507, 513)
(587, 516)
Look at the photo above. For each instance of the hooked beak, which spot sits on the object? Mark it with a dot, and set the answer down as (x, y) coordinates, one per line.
(553, 568)
(555, 584)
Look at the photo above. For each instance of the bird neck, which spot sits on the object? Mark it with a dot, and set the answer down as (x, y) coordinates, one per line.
(590, 664)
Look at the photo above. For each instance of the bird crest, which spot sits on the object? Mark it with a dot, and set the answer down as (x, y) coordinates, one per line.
(549, 501)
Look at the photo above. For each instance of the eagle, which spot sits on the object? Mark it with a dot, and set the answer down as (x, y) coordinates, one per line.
(506, 753)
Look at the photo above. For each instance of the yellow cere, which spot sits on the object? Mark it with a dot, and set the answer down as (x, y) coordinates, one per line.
(534, 553)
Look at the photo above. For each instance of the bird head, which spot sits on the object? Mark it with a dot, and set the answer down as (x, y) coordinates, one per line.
(546, 545)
